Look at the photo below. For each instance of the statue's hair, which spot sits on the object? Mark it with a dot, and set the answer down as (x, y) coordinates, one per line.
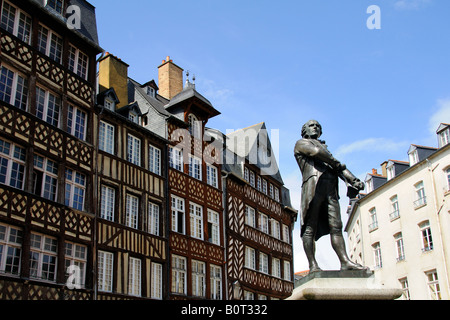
(305, 126)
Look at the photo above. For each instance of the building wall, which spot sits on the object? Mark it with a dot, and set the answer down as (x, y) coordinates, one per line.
(417, 260)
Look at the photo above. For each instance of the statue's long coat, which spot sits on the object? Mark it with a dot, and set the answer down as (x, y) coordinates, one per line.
(312, 168)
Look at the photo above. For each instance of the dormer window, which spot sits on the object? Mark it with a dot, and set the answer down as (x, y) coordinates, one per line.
(194, 126)
(57, 5)
(390, 172)
(151, 92)
(413, 157)
(133, 117)
(109, 104)
(444, 137)
(369, 185)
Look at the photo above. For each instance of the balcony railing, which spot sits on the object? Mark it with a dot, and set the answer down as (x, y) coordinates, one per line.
(420, 202)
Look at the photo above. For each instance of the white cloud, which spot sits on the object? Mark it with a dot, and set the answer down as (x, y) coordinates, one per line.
(442, 115)
(370, 145)
(410, 4)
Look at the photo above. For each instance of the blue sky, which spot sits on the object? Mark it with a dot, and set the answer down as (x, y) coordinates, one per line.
(283, 62)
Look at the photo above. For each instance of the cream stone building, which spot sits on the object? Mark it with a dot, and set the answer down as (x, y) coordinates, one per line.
(401, 227)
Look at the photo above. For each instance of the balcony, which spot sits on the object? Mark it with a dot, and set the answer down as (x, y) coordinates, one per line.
(419, 203)
(394, 215)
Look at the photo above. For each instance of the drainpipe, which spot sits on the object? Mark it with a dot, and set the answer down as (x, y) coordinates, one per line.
(224, 228)
(437, 209)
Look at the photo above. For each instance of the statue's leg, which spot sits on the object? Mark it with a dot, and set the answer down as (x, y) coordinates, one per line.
(309, 245)
(337, 238)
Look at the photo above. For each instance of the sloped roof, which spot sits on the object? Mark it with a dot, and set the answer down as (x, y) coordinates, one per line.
(253, 144)
(188, 93)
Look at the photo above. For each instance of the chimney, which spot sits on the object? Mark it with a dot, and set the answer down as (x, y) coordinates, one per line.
(170, 79)
(113, 73)
(384, 168)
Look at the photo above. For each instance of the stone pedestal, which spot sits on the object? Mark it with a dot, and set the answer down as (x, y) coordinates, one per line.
(342, 285)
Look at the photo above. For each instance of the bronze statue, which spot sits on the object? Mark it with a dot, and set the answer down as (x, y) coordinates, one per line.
(320, 209)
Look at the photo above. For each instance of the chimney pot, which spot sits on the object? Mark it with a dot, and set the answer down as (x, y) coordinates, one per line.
(374, 171)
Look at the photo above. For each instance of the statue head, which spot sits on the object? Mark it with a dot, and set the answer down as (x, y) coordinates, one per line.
(312, 129)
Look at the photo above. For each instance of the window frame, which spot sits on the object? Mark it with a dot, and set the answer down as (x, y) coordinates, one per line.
(178, 214)
(106, 137)
(44, 254)
(134, 149)
(12, 88)
(77, 121)
(11, 250)
(26, 37)
(14, 172)
(74, 189)
(154, 159)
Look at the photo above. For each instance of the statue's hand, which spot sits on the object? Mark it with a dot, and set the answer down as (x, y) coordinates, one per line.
(358, 184)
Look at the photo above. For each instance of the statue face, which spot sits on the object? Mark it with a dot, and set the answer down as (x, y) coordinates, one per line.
(313, 129)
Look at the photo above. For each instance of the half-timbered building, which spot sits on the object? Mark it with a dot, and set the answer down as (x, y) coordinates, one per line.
(260, 219)
(47, 199)
(131, 174)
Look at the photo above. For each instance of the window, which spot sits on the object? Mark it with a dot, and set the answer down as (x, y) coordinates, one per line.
(133, 117)
(444, 137)
(13, 88)
(12, 165)
(16, 22)
(287, 270)
(106, 137)
(151, 92)
(75, 189)
(134, 150)
(263, 263)
(433, 285)
(264, 186)
(215, 282)
(176, 159)
(156, 284)
(109, 104)
(275, 226)
(390, 172)
(246, 175)
(395, 212)
(179, 274)
(213, 227)
(154, 163)
(427, 239)
(195, 126)
(132, 211)
(399, 246)
(250, 219)
(178, 215)
(105, 271)
(271, 191)
(43, 257)
(76, 122)
(252, 179)
(58, 5)
(259, 183)
(76, 255)
(45, 178)
(48, 106)
(369, 185)
(373, 219)
(10, 249)
(211, 176)
(196, 218)
(195, 167)
(249, 295)
(405, 287)
(78, 62)
(198, 278)
(377, 255)
(107, 203)
(153, 218)
(263, 223)
(276, 194)
(276, 268)
(50, 44)
(421, 199)
(250, 258)
(134, 277)
(286, 234)
(413, 157)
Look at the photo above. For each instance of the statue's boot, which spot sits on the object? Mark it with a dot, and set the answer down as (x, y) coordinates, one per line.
(338, 243)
